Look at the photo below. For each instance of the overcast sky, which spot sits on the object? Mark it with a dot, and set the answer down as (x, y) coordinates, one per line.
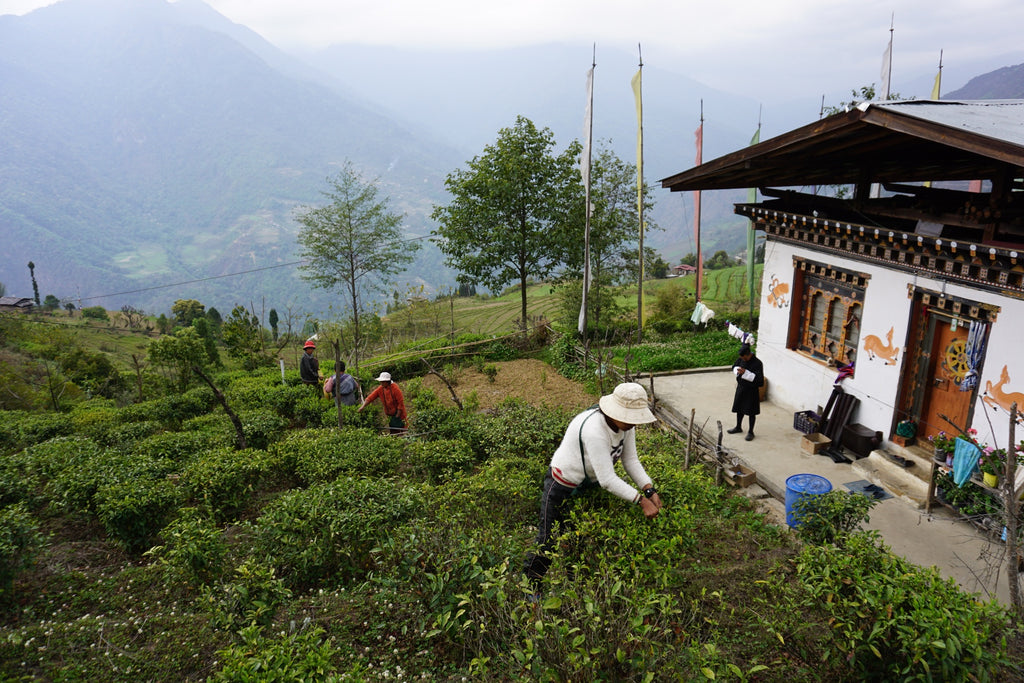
(764, 48)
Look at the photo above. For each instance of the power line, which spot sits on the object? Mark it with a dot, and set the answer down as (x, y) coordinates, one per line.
(214, 277)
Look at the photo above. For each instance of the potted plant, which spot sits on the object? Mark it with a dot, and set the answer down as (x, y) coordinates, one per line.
(992, 463)
(944, 445)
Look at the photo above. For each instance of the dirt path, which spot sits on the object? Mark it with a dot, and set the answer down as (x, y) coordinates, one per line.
(534, 381)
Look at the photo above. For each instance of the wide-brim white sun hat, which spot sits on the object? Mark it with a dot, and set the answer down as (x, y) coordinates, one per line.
(384, 377)
(628, 403)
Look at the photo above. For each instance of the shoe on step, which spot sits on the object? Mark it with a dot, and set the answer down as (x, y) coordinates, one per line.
(749, 436)
(734, 430)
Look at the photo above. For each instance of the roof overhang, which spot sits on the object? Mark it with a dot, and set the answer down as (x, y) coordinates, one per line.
(893, 142)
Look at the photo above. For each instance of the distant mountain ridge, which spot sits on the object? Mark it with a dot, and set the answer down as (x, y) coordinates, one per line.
(145, 143)
(1006, 83)
(140, 148)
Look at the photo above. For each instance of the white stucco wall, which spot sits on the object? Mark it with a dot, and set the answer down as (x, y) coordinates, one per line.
(800, 383)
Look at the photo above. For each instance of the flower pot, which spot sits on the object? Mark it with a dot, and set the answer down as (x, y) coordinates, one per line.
(940, 456)
(990, 479)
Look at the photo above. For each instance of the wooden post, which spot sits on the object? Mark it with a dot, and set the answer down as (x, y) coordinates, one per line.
(689, 438)
(1012, 509)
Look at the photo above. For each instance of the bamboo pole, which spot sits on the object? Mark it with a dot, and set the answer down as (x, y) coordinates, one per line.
(1012, 507)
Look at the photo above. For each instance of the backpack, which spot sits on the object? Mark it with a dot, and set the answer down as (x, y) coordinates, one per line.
(347, 385)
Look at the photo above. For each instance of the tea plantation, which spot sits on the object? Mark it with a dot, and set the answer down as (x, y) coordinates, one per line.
(136, 544)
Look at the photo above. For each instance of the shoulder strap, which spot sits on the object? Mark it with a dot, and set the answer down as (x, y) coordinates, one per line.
(595, 410)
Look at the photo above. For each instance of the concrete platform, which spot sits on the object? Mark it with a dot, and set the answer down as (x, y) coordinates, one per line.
(939, 539)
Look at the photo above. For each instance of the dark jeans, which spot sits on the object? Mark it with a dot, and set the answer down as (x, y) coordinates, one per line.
(554, 508)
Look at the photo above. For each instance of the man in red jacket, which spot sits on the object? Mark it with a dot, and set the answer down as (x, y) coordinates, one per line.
(394, 403)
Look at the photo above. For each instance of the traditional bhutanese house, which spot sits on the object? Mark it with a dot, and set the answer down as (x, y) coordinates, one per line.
(921, 286)
(17, 304)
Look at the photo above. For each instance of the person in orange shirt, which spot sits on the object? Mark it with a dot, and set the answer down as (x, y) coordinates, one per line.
(391, 398)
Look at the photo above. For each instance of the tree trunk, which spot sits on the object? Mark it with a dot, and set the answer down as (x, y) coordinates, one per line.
(240, 443)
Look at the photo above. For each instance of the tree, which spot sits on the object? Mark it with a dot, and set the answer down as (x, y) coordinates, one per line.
(3, 289)
(273, 320)
(720, 259)
(187, 310)
(185, 355)
(70, 308)
(51, 303)
(243, 337)
(512, 211)
(354, 241)
(95, 313)
(133, 317)
(35, 287)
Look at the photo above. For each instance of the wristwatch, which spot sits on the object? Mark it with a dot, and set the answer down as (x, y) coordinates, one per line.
(648, 492)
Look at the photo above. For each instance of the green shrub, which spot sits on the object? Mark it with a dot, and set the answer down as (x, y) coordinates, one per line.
(35, 428)
(224, 480)
(831, 517)
(517, 429)
(135, 510)
(322, 455)
(314, 411)
(250, 600)
(74, 487)
(172, 410)
(891, 620)
(262, 427)
(52, 458)
(326, 532)
(95, 313)
(307, 655)
(193, 549)
(20, 540)
(125, 436)
(179, 447)
(440, 460)
(95, 419)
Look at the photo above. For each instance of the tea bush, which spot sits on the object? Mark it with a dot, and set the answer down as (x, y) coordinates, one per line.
(193, 549)
(322, 455)
(831, 517)
(262, 427)
(32, 428)
(440, 460)
(313, 411)
(517, 429)
(179, 447)
(20, 541)
(124, 436)
(249, 601)
(890, 620)
(224, 480)
(306, 655)
(133, 511)
(324, 534)
(171, 410)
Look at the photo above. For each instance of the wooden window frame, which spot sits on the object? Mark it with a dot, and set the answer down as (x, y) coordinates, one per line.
(826, 324)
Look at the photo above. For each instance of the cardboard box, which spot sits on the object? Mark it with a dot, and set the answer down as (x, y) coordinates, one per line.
(740, 475)
(903, 440)
(814, 443)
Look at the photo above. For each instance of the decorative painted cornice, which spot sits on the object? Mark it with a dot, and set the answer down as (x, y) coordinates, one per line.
(982, 267)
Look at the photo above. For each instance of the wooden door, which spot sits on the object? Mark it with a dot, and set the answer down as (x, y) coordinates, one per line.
(946, 370)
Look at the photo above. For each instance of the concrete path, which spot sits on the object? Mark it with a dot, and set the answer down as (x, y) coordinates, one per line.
(957, 548)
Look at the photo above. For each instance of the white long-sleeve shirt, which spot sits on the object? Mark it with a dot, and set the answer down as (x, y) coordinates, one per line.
(604, 446)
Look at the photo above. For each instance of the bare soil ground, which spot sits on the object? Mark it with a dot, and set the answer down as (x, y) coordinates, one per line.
(531, 380)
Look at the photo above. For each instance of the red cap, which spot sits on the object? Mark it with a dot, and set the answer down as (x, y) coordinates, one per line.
(309, 344)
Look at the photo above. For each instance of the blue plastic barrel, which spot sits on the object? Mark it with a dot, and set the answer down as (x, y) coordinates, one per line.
(800, 485)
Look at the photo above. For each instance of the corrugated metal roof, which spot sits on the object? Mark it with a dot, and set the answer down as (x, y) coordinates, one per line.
(996, 119)
(891, 142)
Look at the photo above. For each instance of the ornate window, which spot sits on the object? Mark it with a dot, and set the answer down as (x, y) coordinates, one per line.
(826, 323)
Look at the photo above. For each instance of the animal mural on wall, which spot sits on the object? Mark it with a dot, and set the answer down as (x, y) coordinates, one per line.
(995, 397)
(875, 348)
(778, 293)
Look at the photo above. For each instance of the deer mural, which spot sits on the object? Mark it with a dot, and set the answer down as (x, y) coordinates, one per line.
(996, 398)
(887, 352)
(778, 293)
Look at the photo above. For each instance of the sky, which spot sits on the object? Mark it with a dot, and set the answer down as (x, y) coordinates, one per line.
(763, 48)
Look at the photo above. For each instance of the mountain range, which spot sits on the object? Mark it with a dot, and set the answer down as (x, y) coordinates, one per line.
(151, 151)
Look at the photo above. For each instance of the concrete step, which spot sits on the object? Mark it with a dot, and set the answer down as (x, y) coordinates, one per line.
(909, 484)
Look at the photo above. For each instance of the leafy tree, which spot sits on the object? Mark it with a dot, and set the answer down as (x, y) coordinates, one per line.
(51, 303)
(205, 331)
(243, 337)
(70, 308)
(187, 310)
(614, 231)
(213, 315)
(273, 320)
(184, 354)
(720, 259)
(513, 210)
(35, 286)
(3, 289)
(689, 260)
(95, 313)
(354, 241)
(657, 267)
(163, 323)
